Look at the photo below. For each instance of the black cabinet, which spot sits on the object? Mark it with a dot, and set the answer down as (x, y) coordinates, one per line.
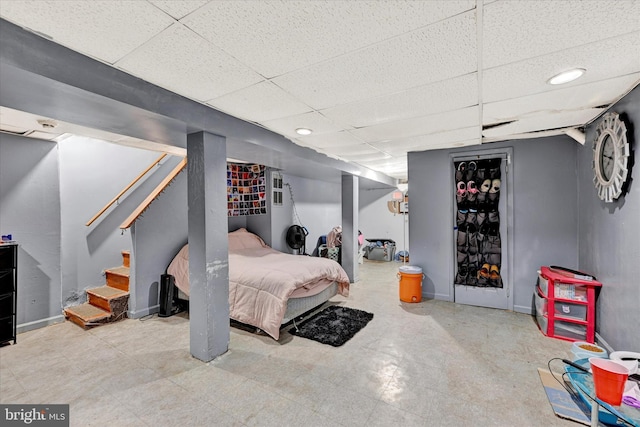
(8, 291)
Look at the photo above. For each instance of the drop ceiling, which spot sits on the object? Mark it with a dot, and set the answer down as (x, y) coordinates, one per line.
(374, 80)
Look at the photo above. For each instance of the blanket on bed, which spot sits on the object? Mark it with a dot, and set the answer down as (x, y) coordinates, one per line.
(261, 279)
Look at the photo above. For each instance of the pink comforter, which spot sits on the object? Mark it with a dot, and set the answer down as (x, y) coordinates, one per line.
(261, 280)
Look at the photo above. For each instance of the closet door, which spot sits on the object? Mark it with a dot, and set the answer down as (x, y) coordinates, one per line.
(480, 205)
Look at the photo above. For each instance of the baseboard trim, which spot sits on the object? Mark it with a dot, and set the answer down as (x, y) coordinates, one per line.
(441, 297)
(145, 312)
(525, 309)
(603, 343)
(41, 323)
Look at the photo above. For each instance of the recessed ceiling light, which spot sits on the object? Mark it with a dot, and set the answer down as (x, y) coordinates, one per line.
(303, 131)
(566, 76)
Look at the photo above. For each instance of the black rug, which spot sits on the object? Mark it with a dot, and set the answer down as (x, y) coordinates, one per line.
(334, 325)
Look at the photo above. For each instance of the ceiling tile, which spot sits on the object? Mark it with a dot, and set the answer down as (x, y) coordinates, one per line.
(365, 157)
(330, 140)
(260, 102)
(359, 152)
(427, 142)
(420, 125)
(438, 52)
(315, 121)
(569, 98)
(612, 57)
(399, 159)
(433, 98)
(106, 30)
(182, 62)
(275, 37)
(178, 9)
(515, 30)
(395, 167)
(354, 150)
(543, 121)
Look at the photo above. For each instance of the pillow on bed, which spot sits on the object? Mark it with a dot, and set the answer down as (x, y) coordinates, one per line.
(243, 239)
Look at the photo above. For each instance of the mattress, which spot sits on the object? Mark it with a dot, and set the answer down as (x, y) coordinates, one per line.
(298, 306)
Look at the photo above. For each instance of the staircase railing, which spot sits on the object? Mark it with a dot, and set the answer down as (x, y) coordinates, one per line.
(131, 184)
(154, 194)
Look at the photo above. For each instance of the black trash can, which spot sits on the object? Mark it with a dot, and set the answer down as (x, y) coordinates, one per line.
(167, 295)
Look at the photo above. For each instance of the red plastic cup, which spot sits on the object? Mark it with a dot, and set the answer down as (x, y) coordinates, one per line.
(609, 379)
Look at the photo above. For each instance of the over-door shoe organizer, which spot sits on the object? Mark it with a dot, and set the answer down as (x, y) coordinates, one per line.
(478, 241)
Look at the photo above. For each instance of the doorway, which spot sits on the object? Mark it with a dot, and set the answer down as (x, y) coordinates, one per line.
(481, 221)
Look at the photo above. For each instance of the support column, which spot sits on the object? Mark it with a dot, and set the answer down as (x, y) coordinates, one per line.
(208, 245)
(350, 197)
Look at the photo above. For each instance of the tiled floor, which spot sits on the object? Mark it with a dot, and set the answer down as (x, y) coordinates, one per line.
(432, 363)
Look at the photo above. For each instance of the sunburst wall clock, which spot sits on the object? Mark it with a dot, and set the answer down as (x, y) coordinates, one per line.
(610, 157)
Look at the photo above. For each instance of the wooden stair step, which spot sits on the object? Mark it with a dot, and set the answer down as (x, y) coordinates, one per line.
(87, 315)
(107, 292)
(121, 271)
(118, 277)
(126, 258)
(107, 298)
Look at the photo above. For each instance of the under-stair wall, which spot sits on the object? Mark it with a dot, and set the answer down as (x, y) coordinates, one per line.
(157, 237)
(92, 172)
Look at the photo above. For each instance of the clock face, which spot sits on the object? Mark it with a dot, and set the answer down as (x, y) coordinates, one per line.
(607, 157)
(610, 157)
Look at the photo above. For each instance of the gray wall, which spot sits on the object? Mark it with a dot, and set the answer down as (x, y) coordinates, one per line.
(30, 211)
(609, 239)
(544, 209)
(318, 204)
(236, 222)
(375, 220)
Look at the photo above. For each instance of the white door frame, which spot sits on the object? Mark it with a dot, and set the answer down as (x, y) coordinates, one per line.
(506, 217)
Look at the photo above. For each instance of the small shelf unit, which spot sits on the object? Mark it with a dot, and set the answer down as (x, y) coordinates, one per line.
(566, 305)
(8, 291)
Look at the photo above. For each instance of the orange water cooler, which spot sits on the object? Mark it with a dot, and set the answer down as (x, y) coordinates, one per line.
(410, 283)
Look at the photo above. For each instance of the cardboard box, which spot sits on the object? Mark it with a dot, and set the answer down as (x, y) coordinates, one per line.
(564, 404)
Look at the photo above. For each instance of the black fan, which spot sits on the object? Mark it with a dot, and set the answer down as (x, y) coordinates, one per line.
(296, 236)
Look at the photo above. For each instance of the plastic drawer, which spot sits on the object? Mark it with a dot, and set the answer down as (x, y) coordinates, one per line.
(570, 330)
(7, 260)
(6, 281)
(6, 329)
(562, 290)
(570, 310)
(541, 303)
(6, 305)
(570, 291)
(543, 284)
(543, 323)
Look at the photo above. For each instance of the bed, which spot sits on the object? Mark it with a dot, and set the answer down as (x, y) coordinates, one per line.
(268, 288)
